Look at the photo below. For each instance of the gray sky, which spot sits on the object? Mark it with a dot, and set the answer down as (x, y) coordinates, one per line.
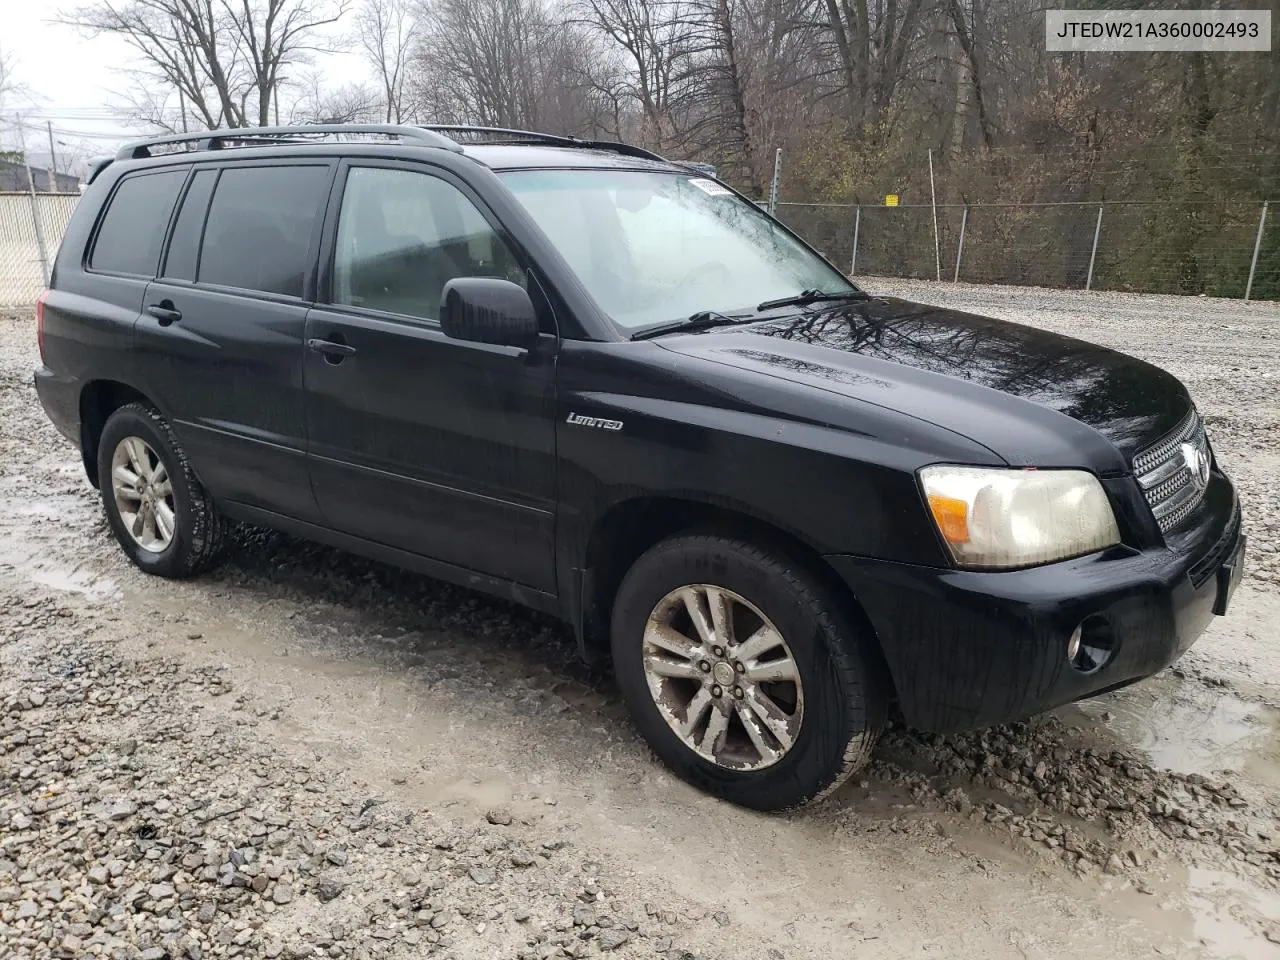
(79, 84)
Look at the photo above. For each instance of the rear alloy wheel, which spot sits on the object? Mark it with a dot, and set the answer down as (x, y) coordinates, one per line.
(159, 512)
(723, 677)
(742, 672)
(144, 494)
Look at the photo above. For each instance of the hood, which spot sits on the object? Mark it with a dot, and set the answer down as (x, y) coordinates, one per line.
(1013, 388)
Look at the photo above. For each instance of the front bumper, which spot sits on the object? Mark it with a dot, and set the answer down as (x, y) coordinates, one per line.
(970, 649)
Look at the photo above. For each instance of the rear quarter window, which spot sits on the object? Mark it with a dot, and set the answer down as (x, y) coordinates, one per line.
(132, 230)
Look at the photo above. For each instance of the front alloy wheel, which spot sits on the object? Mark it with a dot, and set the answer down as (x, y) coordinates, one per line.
(723, 677)
(743, 671)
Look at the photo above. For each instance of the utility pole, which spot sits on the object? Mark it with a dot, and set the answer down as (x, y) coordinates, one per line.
(35, 213)
(53, 160)
(182, 108)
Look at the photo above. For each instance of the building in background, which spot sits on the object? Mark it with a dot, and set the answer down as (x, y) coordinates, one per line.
(13, 178)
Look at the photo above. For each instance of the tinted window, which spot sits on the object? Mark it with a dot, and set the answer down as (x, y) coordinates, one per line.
(132, 231)
(403, 235)
(260, 227)
(184, 245)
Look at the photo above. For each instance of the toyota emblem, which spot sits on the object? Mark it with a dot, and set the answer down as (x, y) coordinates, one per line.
(1197, 463)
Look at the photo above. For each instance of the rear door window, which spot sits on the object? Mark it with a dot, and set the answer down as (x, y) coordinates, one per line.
(132, 231)
(260, 227)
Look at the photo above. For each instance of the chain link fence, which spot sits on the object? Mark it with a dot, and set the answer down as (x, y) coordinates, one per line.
(1225, 250)
(1217, 249)
(31, 228)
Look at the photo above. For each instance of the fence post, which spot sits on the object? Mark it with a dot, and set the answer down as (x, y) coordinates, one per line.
(773, 186)
(35, 214)
(933, 199)
(858, 223)
(1093, 254)
(964, 223)
(1257, 245)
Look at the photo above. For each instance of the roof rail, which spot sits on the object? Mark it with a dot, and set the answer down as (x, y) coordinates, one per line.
(267, 136)
(502, 135)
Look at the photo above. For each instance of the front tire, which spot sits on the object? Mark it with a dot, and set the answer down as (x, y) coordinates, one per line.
(161, 516)
(742, 673)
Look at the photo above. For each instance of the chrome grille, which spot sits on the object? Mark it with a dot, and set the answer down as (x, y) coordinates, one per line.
(1168, 472)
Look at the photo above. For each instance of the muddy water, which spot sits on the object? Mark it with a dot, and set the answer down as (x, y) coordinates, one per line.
(1188, 727)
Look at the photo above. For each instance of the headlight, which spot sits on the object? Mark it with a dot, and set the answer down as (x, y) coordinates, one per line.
(993, 517)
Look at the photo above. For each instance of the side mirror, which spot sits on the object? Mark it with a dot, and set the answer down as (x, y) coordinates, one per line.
(488, 310)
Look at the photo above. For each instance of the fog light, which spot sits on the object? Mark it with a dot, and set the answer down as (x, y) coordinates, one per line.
(1073, 645)
(1092, 644)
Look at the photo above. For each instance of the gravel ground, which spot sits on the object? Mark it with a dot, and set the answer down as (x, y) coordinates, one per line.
(307, 754)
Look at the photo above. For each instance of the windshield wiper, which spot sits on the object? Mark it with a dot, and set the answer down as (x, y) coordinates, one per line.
(702, 320)
(812, 296)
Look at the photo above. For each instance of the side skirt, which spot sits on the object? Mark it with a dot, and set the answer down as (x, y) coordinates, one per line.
(506, 589)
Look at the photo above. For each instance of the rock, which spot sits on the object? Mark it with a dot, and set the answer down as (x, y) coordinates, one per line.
(583, 915)
(36, 697)
(483, 875)
(1114, 865)
(259, 883)
(122, 810)
(613, 939)
(520, 857)
(329, 888)
(208, 910)
(71, 944)
(153, 953)
(282, 894)
(337, 856)
(20, 821)
(98, 874)
(499, 817)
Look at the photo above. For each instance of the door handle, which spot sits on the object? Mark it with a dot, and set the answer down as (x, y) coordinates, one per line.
(165, 312)
(334, 351)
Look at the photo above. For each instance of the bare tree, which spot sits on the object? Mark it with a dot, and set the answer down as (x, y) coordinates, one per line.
(352, 103)
(7, 82)
(226, 59)
(479, 60)
(653, 37)
(386, 30)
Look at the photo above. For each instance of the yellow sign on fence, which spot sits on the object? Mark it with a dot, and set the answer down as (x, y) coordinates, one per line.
(891, 200)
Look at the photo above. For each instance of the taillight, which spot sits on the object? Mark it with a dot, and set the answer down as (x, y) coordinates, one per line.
(40, 323)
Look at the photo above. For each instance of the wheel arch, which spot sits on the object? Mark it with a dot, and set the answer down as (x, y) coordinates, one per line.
(98, 400)
(629, 528)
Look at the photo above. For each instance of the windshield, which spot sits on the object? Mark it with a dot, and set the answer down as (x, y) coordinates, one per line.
(654, 247)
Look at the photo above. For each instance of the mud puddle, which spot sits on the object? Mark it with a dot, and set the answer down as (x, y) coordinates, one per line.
(1187, 726)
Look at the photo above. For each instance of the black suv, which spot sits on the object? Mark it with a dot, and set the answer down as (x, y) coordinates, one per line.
(604, 385)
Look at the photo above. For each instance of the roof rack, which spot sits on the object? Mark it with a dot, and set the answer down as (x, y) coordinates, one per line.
(491, 136)
(432, 135)
(271, 136)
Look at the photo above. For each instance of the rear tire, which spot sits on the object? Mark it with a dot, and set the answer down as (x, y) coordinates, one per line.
(162, 517)
(817, 709)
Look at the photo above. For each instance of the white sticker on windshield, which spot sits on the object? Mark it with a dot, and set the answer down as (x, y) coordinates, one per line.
(711, 188)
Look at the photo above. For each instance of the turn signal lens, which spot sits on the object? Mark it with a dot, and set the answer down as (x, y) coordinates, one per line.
(952, 518)
(1005, 518)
